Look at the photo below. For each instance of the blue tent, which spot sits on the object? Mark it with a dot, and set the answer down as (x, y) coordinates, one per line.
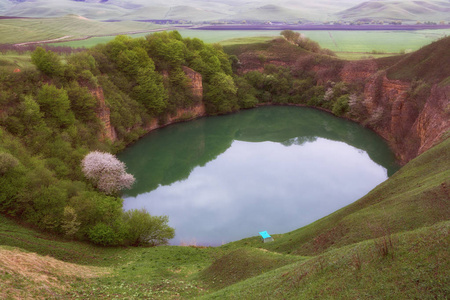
(266, 236)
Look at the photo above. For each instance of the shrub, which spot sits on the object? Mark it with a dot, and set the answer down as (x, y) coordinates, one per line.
(103, 234)
(106, 171)
(341, 107)
(47, 62)
(70, 225)
(145, 229)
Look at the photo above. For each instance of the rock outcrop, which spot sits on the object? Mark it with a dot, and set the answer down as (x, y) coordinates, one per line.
(104, 114)
(434, 120)
(196, 83)
(409, 128)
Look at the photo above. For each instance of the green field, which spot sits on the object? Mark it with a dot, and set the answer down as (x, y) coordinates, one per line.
(367, 41)
(14, 31)
(347, 44)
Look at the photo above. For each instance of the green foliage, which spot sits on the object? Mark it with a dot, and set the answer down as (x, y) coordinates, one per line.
(55, 106)
(302, 41)
(145, 230)
(103, 234)
(246, 93)
(47, 62)
(220, 96)
(341, 107)
(150, 91)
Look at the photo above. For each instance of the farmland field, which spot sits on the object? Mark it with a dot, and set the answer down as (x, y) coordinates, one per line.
(14, 31)
(339, 41)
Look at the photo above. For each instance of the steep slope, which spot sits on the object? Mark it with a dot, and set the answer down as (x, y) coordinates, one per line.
(431, 63)
(411, 265)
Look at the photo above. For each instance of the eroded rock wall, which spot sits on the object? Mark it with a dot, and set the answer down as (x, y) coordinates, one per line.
(410, 128)
(104, 114)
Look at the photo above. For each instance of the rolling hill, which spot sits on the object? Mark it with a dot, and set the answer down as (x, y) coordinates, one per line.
(202, 10)
(433, 11)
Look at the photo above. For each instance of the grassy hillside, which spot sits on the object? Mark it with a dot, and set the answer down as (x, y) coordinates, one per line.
(28, 30)
(426, 64)
(415, 266)
(433, 11)
(203, 10)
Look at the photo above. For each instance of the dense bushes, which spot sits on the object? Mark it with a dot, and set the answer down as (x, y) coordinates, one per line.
(49, 122)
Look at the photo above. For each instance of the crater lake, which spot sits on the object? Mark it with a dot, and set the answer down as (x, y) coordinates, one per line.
(275, 169)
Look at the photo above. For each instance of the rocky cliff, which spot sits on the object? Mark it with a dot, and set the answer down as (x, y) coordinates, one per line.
(410, 125)
(104, 114)
(196, 83)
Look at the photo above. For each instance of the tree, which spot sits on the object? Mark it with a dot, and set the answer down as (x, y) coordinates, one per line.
(55, 105)
(47, 62)
(220, 96)
(106, 171)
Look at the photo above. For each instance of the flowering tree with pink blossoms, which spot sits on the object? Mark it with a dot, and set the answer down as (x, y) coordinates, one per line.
(107, 172)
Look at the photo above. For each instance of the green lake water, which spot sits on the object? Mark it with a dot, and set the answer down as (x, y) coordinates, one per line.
(221, 179)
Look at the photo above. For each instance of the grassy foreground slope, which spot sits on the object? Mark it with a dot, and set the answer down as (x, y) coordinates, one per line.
(415, 267)
(392, 243)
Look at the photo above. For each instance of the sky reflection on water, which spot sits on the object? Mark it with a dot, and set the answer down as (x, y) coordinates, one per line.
(256, 186)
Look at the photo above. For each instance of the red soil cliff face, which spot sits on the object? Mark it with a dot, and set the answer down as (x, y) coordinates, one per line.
(104, 114)
(182, 114)
(196, 83)
(434, 119)
(410, 128)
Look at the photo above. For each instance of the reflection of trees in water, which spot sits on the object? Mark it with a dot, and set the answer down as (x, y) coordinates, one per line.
(170, 154)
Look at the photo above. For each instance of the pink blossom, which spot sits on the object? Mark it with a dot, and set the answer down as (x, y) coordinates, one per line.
(106, 171)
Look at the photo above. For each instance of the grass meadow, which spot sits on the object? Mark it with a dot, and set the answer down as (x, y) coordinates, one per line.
(347, 44)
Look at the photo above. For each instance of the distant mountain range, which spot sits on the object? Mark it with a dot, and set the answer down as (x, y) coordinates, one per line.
(234, 10)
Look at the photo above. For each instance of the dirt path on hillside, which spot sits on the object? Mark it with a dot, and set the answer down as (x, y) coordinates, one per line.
(46, 41)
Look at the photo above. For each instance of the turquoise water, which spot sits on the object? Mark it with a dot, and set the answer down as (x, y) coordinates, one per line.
(220, 179)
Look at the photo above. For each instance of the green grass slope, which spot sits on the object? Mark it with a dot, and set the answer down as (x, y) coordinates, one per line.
(415, 265)
(243, 263)
(431, 63)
